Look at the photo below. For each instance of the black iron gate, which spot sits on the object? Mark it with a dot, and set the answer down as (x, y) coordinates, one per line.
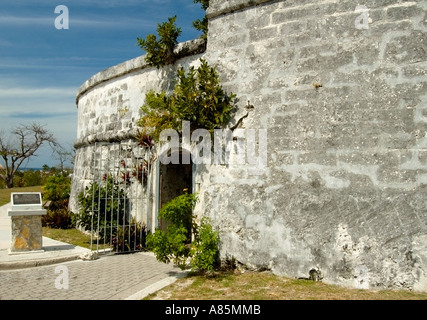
(121, 192)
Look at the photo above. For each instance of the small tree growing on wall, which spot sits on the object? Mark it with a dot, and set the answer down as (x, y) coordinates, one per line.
(198, 97)
(202, 25)
(160, 52)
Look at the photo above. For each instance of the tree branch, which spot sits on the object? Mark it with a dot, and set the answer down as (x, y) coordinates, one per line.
(28, 139)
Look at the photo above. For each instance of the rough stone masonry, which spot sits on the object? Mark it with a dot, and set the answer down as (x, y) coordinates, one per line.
(342, 92)
(26, 234)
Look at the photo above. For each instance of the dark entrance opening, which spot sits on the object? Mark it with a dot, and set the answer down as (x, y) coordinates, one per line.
(175, 180)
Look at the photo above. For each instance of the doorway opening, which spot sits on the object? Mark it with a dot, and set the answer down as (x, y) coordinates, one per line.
(174, 180)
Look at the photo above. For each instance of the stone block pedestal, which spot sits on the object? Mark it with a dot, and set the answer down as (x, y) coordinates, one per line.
(26, 234)
(26, 215)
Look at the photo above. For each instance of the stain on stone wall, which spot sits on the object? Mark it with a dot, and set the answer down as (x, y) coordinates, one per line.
(341, 91)
(344, 190)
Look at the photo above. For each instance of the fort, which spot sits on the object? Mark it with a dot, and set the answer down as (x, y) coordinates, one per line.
(343, 100)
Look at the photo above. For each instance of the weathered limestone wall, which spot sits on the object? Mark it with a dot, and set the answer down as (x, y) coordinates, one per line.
(109, 105)
(343, 195)
(344, 192)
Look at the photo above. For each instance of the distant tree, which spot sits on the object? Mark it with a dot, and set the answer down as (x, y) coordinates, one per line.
(63, 156)
(57, 192)
(21, 145)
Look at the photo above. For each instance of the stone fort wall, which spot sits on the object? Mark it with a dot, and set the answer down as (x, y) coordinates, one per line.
(109, 105)
(341, 90)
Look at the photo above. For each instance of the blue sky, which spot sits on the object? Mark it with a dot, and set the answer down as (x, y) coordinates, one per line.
(42, 67)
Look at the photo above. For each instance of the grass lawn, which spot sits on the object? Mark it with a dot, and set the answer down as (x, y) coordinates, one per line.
(5, 193)
(267, 286)
(71, 236)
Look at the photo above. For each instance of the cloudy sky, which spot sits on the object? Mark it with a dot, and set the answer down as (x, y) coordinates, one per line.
(42, 67)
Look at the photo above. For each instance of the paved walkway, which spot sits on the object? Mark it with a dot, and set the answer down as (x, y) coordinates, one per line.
(59, 273)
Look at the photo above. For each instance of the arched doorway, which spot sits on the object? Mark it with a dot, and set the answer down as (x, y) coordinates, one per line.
(174, 180)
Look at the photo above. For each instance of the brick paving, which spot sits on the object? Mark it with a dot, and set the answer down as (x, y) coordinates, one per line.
(111, 277)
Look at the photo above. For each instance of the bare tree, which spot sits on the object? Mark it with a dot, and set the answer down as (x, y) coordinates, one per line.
(63, 155)
(23, 143)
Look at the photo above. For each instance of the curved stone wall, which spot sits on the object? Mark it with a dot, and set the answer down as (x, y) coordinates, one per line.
(341, 91)
(109, 105)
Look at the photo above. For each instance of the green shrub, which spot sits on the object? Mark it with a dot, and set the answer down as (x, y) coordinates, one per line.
(130, 237)
(174, 244)
(57, 192)
(29, 178)
(170, 246)
(58, 219)
(198, 97)
(106, 204)
(178, 213)
(160, 52)
(205, 250)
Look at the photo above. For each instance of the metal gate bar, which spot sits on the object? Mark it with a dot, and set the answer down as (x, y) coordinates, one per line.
(121, 174)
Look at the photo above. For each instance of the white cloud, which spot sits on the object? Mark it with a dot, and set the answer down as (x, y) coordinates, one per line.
(36, 92)
(122, 3)
(53, 105)
(93, 21)
(25, 21)
(111, 23)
